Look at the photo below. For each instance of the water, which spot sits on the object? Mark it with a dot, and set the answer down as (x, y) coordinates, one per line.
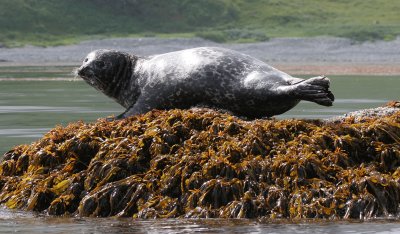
(23, 222)
(35, 99)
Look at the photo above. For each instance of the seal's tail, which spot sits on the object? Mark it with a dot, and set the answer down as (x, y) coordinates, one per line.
(316, 90)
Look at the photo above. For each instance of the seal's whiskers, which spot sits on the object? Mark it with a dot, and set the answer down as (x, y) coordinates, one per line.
(74, 72)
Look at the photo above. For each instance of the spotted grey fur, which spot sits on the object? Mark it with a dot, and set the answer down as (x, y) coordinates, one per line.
(205, 76)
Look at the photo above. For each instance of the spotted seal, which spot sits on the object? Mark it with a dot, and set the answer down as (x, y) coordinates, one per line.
(205, 76)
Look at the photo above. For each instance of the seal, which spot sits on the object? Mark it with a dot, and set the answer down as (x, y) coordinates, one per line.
(205, 76)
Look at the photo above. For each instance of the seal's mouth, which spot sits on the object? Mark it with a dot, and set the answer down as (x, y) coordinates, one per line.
(85, 72)
(97, 83)
(90, 77)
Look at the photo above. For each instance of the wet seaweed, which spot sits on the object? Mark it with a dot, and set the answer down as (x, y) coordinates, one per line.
(201, 163)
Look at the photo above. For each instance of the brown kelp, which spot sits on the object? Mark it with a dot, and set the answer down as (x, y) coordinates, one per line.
(203, 163)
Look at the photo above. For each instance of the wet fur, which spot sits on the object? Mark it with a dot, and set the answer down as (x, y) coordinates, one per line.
(205, 76)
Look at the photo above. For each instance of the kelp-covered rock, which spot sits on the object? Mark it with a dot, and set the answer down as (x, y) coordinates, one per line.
(202, 163)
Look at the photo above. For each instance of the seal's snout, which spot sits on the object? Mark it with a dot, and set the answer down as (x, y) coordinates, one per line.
(81, 71)
(84, 71)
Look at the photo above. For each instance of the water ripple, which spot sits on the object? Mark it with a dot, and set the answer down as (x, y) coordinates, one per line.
(361, 101)
(23, 132)
(56, 109)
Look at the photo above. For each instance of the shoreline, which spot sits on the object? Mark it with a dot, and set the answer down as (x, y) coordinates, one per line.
(299, 56)
(341, 69)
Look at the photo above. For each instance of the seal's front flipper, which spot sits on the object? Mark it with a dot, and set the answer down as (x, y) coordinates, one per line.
(137, 108)
(315, 89)
(118, 117)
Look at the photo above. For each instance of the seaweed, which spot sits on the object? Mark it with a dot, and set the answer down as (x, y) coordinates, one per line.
(201, 163)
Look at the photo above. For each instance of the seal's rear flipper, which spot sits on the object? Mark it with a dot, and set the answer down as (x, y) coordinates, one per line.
(316, 90)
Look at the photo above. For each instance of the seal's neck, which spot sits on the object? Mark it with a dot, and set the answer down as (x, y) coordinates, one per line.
(123, 88)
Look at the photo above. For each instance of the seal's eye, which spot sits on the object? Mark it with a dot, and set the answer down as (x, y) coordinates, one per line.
(100, 64)
(86, 59)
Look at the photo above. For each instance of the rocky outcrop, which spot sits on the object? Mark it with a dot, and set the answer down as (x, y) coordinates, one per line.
(202, 163)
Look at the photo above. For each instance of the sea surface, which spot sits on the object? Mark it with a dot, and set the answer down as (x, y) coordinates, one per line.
(35, 99)
(23, 222)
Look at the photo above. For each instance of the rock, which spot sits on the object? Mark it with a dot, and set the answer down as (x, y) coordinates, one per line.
(363, 115)
(203, 163)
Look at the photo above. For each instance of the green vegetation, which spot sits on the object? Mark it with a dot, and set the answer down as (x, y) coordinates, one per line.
(54, 22)
(236, 35)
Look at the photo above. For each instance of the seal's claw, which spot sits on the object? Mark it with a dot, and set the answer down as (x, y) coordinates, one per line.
(116, 118)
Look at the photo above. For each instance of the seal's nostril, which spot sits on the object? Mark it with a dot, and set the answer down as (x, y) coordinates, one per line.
(82, 71)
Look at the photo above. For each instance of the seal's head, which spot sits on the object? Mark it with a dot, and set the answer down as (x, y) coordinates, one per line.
(106, 70)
